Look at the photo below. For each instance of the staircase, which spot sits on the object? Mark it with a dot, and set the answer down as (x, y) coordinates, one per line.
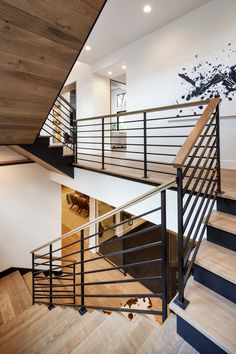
(27, 328)
(54, 148)
(209, 321)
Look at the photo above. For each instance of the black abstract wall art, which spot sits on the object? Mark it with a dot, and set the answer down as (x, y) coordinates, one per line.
(209, 78)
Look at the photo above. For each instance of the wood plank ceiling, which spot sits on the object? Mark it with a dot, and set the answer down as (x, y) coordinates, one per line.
(39, 43)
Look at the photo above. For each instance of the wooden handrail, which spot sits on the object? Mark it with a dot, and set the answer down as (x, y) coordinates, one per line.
(149, 110)
(190, 141)
(134, 201)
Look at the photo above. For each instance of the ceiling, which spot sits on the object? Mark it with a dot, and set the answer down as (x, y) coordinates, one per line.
(39, 43)
(123, 21)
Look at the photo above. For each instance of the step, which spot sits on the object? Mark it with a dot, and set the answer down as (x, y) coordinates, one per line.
(133, 334)
(55, 328)
(26, 316)
(168, 341)
(44, 140)
(77, 333)
(104, 338)
(15, 341)
(19, 323)
(226, 204)
(221, 229)
(16, 292)
(212, 318)
(215, 267)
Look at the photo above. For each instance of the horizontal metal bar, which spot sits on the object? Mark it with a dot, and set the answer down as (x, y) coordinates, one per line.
(139, 120)
(124, 237)
(121, 309)
(123, 266)
(129, 250)
(139, 296)
(133, 280)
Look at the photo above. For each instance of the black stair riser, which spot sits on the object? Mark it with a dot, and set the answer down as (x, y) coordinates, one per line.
(216, 283)
(43, 140)
(196, 339)
(226, 205)
(221, 238)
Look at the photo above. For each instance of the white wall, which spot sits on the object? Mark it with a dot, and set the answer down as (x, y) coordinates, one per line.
(93, 91)
(154, 61)
(30, 212)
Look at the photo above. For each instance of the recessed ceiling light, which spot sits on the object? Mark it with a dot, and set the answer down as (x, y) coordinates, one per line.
(124, 67)
(109, 72)
(147, 8)
(88, 48)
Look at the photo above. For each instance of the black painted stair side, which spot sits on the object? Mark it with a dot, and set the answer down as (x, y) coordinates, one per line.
(215, 282)
(221, 238)
(52, 156)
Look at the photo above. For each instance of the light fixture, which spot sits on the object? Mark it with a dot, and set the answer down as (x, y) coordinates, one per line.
(109, 73)
(147, 8)
(124, 67)
(87, 48)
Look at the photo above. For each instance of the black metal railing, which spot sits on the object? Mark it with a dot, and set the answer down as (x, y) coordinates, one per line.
(196, 168)
(139, 144)
(198, 184)
(79, 276)
(60, 124)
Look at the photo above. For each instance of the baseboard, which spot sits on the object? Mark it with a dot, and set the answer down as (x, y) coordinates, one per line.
(228, 164)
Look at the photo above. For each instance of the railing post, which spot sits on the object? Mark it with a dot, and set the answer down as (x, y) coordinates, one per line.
(50, 306)
(218, 147)
(145, 144)
(165, 252)
(74, 286)
(180, 300)
(82, 310)
(33, 288)
(103, 144)
(75, 140)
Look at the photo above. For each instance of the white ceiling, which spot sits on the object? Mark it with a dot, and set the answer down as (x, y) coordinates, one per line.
(123, 21)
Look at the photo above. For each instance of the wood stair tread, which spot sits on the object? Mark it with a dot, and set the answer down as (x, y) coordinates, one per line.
(138, 332)
(54, 329)
(26, 334)
(218, 260)
(14, 287)
(223, 221)
(76, 333)
(164, 342)
(104, 338)
(26, 316)
(210, 313)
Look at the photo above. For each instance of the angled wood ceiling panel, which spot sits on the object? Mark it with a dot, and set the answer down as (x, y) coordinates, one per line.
(39, 42)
